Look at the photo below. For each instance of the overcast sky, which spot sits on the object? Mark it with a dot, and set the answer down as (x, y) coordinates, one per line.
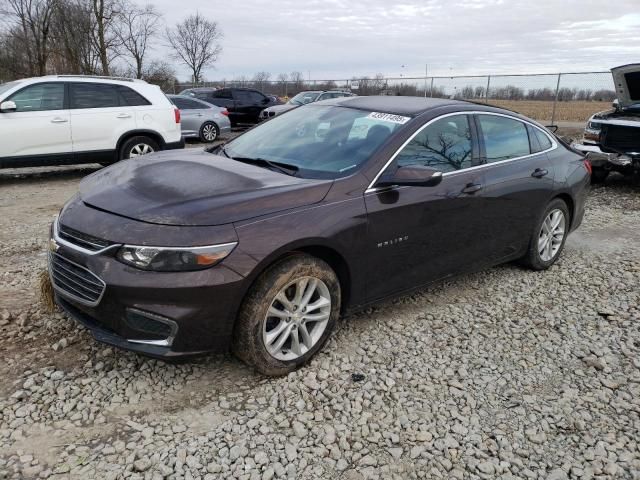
(341, 39)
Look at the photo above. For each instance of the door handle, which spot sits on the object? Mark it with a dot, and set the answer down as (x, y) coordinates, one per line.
(59, 120)
(200, 115)
(472, 188)
(124, 115)
(539, 173)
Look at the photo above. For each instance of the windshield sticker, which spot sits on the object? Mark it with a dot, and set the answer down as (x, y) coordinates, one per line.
(389, 117)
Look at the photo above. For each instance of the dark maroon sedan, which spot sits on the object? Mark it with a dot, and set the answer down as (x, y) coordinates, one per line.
(259, 246)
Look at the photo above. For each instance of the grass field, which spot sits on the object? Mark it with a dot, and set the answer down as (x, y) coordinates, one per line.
(575, 111)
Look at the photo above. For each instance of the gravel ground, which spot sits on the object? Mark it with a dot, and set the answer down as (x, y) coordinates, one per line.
(505, 373)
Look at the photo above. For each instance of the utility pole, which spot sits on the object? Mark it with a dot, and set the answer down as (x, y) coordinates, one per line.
(426, 74)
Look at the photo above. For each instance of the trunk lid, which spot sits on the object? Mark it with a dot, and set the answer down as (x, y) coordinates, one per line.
(194, 187)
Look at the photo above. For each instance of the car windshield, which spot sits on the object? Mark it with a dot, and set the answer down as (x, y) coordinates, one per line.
(317, 141)
(304, 97)
(6, 86)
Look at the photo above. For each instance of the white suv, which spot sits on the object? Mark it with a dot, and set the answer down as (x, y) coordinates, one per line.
(66, 119)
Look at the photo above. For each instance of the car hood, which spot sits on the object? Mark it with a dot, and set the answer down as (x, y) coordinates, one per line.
(627, 82)
(282, 108)
(194, 187)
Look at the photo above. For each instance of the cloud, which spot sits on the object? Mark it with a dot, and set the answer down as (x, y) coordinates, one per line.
(341, 39)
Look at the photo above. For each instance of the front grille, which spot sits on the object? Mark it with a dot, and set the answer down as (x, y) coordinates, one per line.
(620, 137)
(82, 240)
(75, 281)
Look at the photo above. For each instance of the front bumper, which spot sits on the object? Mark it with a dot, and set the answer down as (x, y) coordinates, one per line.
(162, 314)
(601, 159)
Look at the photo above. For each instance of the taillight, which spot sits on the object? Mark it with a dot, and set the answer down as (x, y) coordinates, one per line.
(176, 112)
(225, 112)
(587, 165)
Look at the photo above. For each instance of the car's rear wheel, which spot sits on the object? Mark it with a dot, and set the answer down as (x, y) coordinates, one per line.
(209, 132)
(548, 238)
(288, 315)
(137, 146)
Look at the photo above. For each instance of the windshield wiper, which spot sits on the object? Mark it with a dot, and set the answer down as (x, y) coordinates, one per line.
(281, 167)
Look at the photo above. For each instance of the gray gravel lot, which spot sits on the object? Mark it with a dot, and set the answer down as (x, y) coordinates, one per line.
(505, 373)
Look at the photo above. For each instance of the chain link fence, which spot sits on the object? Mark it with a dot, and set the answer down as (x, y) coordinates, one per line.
(550, 98)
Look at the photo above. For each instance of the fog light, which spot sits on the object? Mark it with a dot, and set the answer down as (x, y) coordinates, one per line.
(157, 330)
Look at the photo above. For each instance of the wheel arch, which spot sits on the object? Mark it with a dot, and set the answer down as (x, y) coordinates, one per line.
(568, 199)
(324, 252)
(136, 133)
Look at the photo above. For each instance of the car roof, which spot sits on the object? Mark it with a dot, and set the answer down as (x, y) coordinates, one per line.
(411, 106)
(200, 89)
(85, 78)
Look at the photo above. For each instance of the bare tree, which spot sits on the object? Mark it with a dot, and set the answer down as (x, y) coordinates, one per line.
(135, 30)
(73, 28)
(106, 14)
(33, 18)
(196, 41)
(297, 79)
(160, 73)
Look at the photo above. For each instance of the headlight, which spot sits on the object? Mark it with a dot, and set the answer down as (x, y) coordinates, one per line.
(594, 126)
(174, 259)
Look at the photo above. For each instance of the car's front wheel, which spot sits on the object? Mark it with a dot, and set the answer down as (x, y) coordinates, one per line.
(137, 146)
(208, 132)
(548, 238)
(288, 315)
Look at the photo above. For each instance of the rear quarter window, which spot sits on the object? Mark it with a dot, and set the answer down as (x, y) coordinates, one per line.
(131, 98)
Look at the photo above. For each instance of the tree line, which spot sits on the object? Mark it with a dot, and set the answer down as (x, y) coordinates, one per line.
(101, 37)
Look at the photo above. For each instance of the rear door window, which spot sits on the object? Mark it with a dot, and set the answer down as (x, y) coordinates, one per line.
(225, 93)
(503, 137)
(39, 97)
(93, 95)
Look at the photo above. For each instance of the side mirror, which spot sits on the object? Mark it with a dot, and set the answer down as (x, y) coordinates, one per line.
(8, 106)
(412, 176)
(552, 128)
(616, 104)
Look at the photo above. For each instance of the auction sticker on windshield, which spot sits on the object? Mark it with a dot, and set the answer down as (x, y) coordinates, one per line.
(389, 117)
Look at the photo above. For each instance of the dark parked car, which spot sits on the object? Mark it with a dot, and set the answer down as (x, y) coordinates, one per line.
(244, 104)
(302, 99)
(261, 244)
(612, 138)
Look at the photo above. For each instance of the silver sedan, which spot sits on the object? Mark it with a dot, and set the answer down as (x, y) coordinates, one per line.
(200, 119)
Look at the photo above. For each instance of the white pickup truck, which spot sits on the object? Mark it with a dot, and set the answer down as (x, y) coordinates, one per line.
(612, 138)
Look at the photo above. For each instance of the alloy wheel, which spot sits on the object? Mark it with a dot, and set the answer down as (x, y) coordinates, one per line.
(209, 132)
(551, 235)
(297, 318)
(140, 149)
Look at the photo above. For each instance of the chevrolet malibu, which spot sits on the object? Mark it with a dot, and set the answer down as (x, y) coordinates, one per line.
(259, 245)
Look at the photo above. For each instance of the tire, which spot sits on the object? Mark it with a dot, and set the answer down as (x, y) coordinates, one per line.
(251, 342)
(140, 144)
(534, 258)
(209, 132)
(599, 175)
